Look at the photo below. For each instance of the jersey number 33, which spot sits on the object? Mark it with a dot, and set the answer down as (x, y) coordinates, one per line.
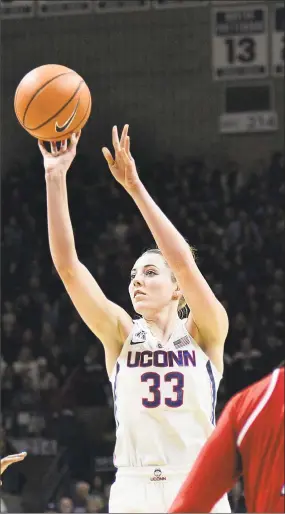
(154, 381)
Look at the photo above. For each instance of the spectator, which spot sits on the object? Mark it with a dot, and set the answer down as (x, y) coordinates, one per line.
(48, 337)
(3, 366)
(46, 380)
(26, 365)
(97, 485)
(50, 314)
(95, 503)
(65, 505)
(107, 488)
(91, 363)
(9, 383)
(27, 397)
(12, 236)
(81, 496)
(9, 317)
(51, 508)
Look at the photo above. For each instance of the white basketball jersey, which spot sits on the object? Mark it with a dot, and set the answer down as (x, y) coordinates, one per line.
(164, 399)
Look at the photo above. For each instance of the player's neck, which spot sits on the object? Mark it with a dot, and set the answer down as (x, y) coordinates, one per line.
(162, 325)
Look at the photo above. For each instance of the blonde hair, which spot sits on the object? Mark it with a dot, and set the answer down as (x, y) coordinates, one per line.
(182, 309)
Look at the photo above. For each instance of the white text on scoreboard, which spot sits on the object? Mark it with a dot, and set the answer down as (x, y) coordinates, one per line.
(248, 122)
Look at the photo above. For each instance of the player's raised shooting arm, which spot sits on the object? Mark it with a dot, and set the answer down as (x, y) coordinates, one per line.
(215, 471)
(109, 322)
(208, 313)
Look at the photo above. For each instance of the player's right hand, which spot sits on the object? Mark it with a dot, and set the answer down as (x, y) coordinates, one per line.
(59, 160)
(122, 166)
(11, 459)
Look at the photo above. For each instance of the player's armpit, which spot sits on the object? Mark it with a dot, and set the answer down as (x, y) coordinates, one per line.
(213, 326)
(214, 472)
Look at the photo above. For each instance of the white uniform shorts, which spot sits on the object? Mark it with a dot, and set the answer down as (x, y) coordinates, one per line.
(150, 489)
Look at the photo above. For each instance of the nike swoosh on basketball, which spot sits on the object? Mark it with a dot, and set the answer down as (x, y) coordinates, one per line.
(62, 128)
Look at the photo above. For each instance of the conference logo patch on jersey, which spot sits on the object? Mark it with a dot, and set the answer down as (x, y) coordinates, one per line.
(183, 341)
(139, 337)
(157, 476)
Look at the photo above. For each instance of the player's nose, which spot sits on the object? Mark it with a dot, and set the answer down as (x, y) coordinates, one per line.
(137, 281)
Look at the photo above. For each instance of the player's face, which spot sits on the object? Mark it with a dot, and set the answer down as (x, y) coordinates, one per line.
(151, 287)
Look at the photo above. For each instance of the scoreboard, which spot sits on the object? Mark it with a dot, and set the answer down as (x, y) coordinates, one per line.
(247, 41)
(248, 49)
(240, 35)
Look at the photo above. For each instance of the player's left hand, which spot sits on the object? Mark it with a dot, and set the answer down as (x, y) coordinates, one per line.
(11, 459)
(59, 160)
(123, 166)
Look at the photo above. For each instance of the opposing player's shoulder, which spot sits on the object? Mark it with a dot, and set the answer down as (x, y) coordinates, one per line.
(248, 403)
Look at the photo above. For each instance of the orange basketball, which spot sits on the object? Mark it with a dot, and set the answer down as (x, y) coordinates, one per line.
(51, 102)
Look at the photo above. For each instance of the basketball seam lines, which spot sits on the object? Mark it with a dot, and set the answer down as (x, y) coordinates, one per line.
(35, 94)
(58, 112)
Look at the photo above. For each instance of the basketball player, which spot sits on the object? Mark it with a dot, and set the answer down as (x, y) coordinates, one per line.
(165, 371)
(10, 459)
(248, 440)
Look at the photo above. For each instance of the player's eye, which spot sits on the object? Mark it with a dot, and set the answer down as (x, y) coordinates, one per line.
(150, 272)
(132, 275)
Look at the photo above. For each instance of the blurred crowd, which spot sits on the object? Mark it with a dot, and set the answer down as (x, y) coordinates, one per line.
(51, 362)
(84, 497)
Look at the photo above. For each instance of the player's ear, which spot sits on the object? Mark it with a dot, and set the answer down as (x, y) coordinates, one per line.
(177, 294)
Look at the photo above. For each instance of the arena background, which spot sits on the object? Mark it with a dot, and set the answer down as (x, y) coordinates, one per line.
(203, 94)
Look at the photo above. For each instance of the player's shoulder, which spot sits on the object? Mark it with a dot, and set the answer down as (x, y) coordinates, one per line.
(252, 397)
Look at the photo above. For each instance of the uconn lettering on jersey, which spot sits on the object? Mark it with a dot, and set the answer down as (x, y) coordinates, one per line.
(161, 359)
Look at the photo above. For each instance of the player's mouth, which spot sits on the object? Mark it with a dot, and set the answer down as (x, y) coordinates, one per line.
(138, 293)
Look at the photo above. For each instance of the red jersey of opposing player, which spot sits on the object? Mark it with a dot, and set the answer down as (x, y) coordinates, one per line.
(248, 440)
